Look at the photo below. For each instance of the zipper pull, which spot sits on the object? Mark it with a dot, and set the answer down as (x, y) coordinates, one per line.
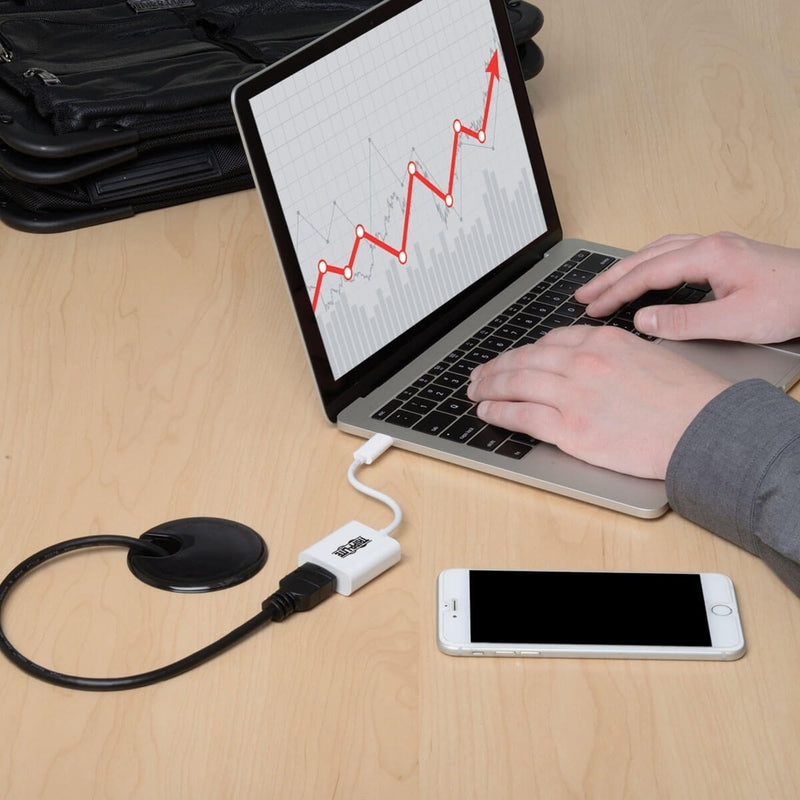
(5, 54)
(45, 76)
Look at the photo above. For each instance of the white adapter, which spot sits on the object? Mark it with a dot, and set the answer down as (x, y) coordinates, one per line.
(355, 554)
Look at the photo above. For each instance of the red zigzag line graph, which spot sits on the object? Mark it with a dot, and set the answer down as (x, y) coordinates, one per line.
(446, 196)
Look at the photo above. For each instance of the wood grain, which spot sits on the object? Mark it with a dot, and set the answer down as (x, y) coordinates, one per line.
(148, 370)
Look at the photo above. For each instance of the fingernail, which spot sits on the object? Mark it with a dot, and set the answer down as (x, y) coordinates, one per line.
(645, 320)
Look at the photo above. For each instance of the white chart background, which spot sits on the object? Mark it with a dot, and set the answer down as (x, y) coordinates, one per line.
(339, 136)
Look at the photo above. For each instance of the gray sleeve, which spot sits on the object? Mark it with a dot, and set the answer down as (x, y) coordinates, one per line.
(736, 472)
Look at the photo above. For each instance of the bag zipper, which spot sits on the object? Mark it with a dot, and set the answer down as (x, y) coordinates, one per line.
(45, 76)
(5, 53)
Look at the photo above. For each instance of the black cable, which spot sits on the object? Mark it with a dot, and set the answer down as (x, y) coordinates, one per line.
(300, 590)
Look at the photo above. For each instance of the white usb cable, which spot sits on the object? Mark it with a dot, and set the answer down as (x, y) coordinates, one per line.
(356, 553)
(366, 454)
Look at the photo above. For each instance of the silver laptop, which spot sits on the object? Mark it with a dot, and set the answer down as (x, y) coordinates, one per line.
(403, 179)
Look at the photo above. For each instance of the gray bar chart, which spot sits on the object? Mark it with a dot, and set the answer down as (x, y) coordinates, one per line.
(355, 330)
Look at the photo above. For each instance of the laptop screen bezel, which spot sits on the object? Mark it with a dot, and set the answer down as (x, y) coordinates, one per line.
(337, 394)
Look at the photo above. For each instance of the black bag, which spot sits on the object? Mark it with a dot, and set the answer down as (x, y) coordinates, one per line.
(112, 108)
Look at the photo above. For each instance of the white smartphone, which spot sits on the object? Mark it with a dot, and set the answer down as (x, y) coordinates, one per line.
(588, 614)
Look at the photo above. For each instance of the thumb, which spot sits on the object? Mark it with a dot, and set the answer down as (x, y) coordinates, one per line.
(700, 321)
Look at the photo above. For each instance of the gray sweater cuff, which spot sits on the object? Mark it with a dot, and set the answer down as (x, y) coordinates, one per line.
(736, 472)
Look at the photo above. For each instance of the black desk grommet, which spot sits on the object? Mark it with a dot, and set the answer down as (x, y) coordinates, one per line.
(203, 554)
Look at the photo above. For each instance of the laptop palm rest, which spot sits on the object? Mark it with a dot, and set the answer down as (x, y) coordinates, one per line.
(737, 362)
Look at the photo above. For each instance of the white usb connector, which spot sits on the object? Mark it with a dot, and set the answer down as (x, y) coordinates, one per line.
(373, 448)
(356, 553)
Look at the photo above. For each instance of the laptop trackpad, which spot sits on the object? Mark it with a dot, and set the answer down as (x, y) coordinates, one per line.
(737, 362)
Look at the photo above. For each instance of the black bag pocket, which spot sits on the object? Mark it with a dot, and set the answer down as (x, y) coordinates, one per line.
(85, 69)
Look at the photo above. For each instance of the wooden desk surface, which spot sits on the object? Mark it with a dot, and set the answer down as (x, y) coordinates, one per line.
(147, 369)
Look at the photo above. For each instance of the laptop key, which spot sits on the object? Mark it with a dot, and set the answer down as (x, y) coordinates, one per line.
(566, 287)
(452, 379)
(572, 310)
(538, 332)
(580, 276)
(511, 332)
(462, 430)
(514, 449)
(405, 419)
(434, 423)
(597, 262)
(384, 412)
(481, 356)
(489, 438)
(435, 392)
(420, 405)
(557, 321)
(496, 343)
(463, 368)
(625, 324)
(455, 406)
(423, 380)
(686, 295)
(526, 320)
(539, 309)
(553, 298)
(453, 356)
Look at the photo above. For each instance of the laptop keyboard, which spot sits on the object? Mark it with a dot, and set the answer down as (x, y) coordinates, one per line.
(436, 402)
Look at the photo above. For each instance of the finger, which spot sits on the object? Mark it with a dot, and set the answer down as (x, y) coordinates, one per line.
(709, 320)
(606, 279)
(548, 353)
(520, 385)
(543, 422)
(662, 270)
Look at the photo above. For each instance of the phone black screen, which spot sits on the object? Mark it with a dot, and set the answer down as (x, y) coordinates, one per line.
(594, 608)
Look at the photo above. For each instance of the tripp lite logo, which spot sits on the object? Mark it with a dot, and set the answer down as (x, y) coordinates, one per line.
(353, 546)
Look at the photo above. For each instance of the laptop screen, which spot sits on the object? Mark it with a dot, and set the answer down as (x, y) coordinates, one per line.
(402, 172)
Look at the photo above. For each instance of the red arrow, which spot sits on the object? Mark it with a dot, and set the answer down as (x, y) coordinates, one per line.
(323, 267)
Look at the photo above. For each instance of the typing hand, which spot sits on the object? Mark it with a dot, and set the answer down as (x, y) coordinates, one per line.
(756, 288)
(600, 394)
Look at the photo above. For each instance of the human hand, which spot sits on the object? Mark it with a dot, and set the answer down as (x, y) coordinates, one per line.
(756, 288)
(598, 393)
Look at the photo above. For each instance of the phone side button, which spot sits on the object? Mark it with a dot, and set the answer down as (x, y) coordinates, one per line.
(721, 610)
(477, 652)
(506, 652)
(528, 653)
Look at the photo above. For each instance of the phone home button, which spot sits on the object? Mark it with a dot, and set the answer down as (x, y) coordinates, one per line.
(721, 610)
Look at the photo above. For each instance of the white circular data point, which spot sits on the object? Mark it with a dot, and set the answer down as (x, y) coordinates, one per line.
(457, 125)
(412, 167)
(322, 266)
(402, 257)
(481, 136)
(360, 231)
(348, 273)
(448, 200)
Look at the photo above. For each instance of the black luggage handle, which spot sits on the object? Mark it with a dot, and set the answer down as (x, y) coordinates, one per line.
(54, 171)
(67, 145)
